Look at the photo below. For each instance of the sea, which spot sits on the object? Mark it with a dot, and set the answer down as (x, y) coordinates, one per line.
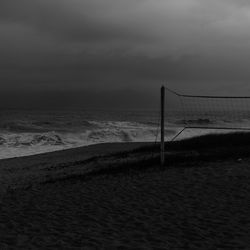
(29, 132)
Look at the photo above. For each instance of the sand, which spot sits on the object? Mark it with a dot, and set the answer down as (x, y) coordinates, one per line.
(191, 205)
(23, 172)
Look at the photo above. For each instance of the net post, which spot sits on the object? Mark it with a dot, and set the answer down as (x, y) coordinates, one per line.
(162, 125)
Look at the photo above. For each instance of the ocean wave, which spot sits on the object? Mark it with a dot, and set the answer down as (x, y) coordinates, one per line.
(27, 143)
(26, 133)
(21, 127)
(30, 126)
(30, 139)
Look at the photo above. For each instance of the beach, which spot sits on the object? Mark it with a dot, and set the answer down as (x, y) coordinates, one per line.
(124, 125)
(122, 199)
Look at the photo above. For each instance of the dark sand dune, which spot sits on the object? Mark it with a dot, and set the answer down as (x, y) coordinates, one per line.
(190, 204)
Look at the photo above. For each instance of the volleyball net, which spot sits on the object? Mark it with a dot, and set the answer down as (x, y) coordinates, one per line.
(207, 112)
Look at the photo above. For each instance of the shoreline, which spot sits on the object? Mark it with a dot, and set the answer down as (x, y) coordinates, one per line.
(109, 148)
(26, 171)
(115, 196)
(71, 148)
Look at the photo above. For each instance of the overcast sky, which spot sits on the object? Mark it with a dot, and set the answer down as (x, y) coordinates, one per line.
(197, 46)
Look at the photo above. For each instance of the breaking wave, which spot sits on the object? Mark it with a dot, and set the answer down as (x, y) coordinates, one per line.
(19, 140)
(27, 133)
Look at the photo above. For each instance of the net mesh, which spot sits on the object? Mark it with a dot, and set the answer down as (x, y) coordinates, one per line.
(222, 112)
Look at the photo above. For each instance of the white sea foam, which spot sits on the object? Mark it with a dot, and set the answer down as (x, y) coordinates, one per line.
(16, 145)
(22, 144)
(31, 133)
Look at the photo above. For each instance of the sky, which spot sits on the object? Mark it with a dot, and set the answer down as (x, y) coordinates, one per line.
(83, 51)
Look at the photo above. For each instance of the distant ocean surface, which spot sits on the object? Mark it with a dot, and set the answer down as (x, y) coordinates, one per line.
(24, 132)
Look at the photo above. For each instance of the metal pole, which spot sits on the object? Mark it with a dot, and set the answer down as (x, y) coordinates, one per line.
(162, 125)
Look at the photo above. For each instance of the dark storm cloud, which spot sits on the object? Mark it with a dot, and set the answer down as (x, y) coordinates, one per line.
(60, 45)
(74, 20)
